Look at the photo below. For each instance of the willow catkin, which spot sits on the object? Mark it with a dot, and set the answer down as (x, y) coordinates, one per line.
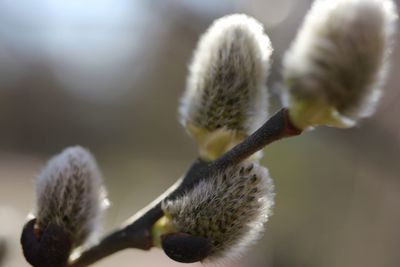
(229, 209)
(226, 86)
(69, 194)
(339, 60)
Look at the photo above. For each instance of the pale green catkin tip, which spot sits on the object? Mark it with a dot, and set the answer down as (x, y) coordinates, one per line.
(161, 227)
(212, 144)
(305, 114)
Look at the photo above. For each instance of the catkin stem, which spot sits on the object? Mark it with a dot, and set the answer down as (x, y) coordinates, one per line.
(136, 233)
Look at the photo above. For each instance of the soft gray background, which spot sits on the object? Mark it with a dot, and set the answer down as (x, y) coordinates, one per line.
(107, 74)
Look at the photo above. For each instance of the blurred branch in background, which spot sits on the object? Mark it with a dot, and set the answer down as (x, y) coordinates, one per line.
(3, 250)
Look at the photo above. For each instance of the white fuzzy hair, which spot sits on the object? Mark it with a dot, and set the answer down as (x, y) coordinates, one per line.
(69, 194)
(229, 209)
(226, 86)
(340, 55)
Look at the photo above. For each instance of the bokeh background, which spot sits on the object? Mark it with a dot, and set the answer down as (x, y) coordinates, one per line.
(107, 74)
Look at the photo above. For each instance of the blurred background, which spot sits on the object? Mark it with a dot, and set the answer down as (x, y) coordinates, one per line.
(107, 74)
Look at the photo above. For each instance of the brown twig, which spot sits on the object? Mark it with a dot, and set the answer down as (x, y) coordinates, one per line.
(136, 233)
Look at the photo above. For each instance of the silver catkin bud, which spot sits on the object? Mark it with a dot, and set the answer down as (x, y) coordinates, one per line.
(69, 194)
(225, 92)
(229, 209)
(336, 66)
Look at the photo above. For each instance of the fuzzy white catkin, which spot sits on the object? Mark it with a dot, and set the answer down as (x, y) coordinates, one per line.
(340, 55)
(227, 77)
(69, 194)
(229, 210)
